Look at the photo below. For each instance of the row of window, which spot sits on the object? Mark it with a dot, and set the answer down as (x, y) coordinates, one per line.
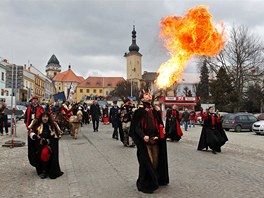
(94, 91)
(38, 92)
(99, 84)
(4, 92)
(39, 82)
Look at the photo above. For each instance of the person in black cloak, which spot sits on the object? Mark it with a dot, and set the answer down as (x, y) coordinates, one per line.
(44, 152)
(173, 129)
(147, 131)
(212, 135)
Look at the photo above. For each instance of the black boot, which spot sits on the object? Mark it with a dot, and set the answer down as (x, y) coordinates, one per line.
(44, 173)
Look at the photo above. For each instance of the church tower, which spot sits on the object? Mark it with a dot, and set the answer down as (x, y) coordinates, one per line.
(134, 68)
(53, 67)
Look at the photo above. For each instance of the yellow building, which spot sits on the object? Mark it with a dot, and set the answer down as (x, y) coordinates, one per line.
(39, 87)
(96, 87)
(64, 80)
(133, 57)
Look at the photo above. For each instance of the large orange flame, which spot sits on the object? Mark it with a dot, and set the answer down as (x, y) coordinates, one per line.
(192, 34)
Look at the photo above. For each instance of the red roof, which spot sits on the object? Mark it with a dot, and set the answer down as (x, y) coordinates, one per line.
(92, 82)
(68, 76)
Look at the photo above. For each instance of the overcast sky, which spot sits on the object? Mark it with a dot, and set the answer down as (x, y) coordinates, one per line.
(93, 35)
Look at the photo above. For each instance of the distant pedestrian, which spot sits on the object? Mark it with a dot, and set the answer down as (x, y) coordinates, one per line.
(96, 114)
(115, 120)
(126, 118)
(212, 135)
(185, 118)
(105, 115)
(173, 129)
(192, 118)
(3, 118)
(86, 113)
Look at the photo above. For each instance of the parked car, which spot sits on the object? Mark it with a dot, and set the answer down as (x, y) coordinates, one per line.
(23, 108)
(260, 116)
(239, 121)
(258, 127)
(198, 117)
(9, 120)
(226, 116)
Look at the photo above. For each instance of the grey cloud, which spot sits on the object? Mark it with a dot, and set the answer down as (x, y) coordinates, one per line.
(93, 35)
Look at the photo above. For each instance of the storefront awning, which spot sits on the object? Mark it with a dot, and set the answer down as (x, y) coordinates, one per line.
(180, 104)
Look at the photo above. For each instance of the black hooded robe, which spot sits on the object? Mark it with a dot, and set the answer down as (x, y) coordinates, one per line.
(34, 148)
(212, 136)
(148, 179)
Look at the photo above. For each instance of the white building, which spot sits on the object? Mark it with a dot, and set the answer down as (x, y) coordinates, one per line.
(3, 90)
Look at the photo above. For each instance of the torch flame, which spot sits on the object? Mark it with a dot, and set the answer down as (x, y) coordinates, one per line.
(186, 36)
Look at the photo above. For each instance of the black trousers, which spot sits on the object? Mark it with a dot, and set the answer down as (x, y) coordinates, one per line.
(86, 118)
(121, 133)
(95, 123)
(3, 123)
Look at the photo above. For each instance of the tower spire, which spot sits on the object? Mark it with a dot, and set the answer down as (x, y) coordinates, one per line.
(134, 47)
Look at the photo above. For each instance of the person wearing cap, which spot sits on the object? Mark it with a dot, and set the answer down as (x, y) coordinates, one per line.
(33, 111)
(115, 120)
(44, 152)
(147, 130)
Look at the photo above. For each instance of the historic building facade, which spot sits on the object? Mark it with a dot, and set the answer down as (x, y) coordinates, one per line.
(97, 87)
(53, 67)
(133, 59)
(66, 80)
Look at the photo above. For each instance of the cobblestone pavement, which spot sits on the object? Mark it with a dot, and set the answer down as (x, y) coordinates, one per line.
(95, 165)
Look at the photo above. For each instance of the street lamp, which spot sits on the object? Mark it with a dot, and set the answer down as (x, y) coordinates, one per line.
(131, 94)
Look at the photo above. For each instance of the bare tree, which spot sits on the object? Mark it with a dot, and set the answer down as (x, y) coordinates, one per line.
(123, 90)
(185, 91)
(243, 60)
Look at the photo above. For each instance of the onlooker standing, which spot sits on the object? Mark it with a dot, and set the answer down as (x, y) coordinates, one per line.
(105, 115)
(185, 117)
(115, 120)
(85, 112)
(192, 118)
(95, 113)
(126, 118)
(3, 118)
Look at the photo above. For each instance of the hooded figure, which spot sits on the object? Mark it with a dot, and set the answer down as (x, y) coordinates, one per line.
(44, 148)
(148, 133)
(212, 135)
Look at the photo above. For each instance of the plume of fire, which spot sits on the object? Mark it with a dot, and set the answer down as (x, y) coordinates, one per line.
(186, 36)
